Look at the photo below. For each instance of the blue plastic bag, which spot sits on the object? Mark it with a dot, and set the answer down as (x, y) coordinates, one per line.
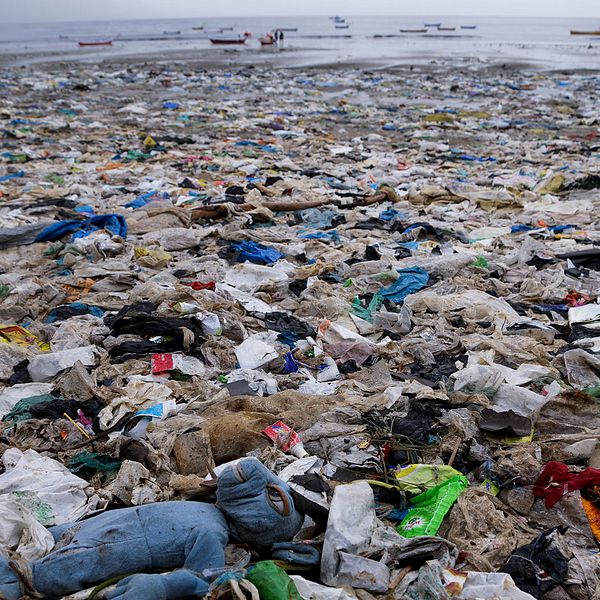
(114, 224)
(410, 281)
(146, 199)
(12, 176)
(256, 253)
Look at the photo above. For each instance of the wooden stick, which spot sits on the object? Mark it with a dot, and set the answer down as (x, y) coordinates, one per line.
(216, 211)
(398, 579)
(455, 451)
(382, 459)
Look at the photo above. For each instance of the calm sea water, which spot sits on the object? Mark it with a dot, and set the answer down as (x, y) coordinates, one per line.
(538, 40)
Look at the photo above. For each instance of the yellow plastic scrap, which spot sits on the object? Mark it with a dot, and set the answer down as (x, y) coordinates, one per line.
(427, 246)
(571, 235)
(149, 142)
(152, 257)
(553, 186)
(474, 114)
(564, 109)
(526, 439)
(418, 478)
(439, 118)
(14, 334)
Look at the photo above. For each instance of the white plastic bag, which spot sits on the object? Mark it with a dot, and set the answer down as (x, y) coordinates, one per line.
(491, 586)
(20, 531)
(43, 367)
(309, 590)
(350, 525)
(52, 482)
(10, 396)
(257, 350)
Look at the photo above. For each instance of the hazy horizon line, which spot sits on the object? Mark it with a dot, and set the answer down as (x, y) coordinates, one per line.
(241, 16)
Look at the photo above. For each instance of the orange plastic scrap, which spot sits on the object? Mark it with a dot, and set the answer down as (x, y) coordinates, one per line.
(110, 166)
(590, 499)
(74, 292)
(324, 326)
(14, 334)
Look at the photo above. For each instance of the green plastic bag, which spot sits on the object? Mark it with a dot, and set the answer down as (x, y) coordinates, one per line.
(86, 464)
(366, 313)
(427, 511)
(20, 411)
(272, 582)
(593, 391)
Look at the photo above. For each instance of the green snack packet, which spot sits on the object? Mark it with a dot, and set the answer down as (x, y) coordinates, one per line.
(427, 511)
(272, 582)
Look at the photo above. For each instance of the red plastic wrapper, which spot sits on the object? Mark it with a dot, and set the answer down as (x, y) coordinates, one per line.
(198, 285)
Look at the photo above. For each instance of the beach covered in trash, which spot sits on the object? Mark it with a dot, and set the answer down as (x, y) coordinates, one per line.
(322, 334)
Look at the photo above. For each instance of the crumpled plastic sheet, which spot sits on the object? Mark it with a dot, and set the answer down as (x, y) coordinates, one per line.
(309, 590)
(349, 528)
(37, 492)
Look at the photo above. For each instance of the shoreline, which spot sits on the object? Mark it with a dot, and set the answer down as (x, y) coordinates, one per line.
(398, 64)
(491, 56)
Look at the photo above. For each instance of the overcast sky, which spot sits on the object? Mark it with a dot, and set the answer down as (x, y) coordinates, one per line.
(20, 11)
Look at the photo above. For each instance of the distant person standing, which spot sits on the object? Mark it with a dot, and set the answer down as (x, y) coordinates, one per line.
(281, 36)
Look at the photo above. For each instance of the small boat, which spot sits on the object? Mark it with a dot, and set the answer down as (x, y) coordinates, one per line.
(97, 43)
(575, 32)
(228, 28)
(468, 26)
(205, 30)
(63, 37)
(413, 31)
(446, 28)
(171, 32)
(343, 26)
(334, 36)
(267, 40)
(287, 28)
(432, 25)
(229, 41)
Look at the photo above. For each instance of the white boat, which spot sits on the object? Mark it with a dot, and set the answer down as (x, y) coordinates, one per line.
(267, 40)
(230, 40)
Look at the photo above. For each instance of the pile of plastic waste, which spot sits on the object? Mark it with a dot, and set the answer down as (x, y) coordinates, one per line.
(320, 335)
